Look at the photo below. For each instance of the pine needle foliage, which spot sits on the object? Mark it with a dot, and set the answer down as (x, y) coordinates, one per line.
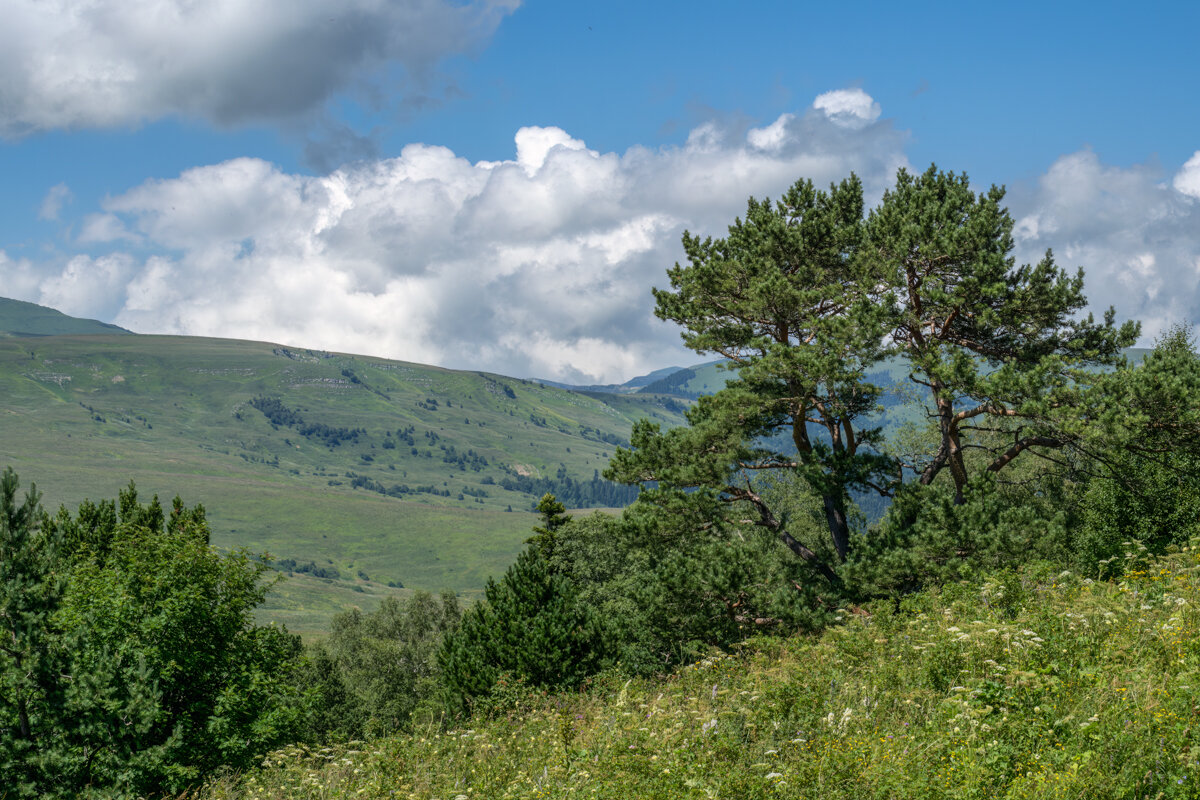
(530, 627)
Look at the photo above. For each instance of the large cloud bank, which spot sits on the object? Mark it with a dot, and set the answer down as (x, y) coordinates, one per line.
(86, 63)
(540, 265)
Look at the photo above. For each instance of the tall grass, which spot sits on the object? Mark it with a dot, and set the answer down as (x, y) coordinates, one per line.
(1022, 685)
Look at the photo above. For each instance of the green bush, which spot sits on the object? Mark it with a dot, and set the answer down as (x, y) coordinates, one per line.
(378, 671)
(928, 539)
(135, 666)
(1155, 503)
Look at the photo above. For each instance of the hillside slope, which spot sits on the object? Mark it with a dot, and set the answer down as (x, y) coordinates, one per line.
(363, 469)
(18, 318)
(1030, 686)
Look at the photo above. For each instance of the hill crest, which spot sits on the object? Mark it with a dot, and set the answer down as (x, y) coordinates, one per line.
(22, 319)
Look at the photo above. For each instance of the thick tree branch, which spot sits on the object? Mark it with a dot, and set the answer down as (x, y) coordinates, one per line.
(935, 466)
(1019, 446)
(769, 521)
(984, 408)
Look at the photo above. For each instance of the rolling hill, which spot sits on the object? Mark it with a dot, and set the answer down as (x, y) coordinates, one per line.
(353, 472)
(18, 318)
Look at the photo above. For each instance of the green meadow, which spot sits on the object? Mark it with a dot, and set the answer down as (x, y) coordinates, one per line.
(389, 473)
(1030, 684)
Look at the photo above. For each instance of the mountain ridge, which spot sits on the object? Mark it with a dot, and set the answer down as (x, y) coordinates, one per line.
(634, 384)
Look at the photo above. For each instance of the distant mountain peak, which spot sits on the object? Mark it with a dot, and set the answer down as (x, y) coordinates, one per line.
(629, 386)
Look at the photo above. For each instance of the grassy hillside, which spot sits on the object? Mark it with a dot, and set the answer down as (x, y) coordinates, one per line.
(1019, 686)
(18, 318)
(401, 473)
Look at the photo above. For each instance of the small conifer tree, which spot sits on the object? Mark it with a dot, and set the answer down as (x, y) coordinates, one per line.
(531, 626)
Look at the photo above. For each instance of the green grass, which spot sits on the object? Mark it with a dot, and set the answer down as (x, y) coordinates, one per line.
(18, 318)
(305, 604)
(1021, 686)
(84, 415)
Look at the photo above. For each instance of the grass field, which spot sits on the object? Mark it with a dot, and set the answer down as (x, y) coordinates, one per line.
(1031, 686)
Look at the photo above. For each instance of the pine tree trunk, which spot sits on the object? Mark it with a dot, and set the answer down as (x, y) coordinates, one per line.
(23, 717)
(839, 528)
(950, 453)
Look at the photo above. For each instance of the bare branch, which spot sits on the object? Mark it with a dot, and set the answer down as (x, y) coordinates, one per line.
(1020, 445)
(769, 521)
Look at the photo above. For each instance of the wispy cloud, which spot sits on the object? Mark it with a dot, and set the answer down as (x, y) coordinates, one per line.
(53, 202)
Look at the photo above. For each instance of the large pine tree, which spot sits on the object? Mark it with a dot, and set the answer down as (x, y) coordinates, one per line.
(1002, 351)
(804, 297)
(781, 298)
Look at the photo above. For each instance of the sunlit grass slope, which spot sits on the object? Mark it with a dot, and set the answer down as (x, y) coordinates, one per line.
(18, 318)
(1021, 686)
(81, 416)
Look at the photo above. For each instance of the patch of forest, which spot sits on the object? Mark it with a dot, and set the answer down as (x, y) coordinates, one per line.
(672, 384)
(280, 415)
(591, 493)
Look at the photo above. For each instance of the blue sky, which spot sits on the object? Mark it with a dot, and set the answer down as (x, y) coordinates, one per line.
(497, 186)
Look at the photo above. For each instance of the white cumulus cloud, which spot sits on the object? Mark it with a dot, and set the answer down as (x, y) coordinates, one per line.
(773, 136)
(540, 265)
(1187, 180)
(88, 287)
(1136, 234)
(88, 63)
(852, 108)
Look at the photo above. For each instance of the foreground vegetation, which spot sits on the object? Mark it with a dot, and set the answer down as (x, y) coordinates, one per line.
(1037, 684)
